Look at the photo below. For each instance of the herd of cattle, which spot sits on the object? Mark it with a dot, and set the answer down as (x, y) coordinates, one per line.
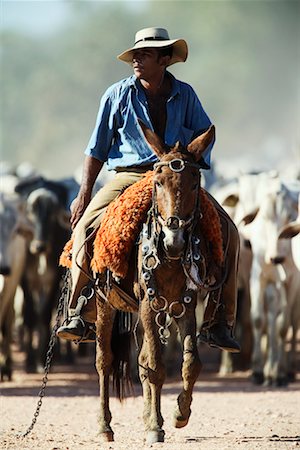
(34, 219)
(266, 210)
(34, 227)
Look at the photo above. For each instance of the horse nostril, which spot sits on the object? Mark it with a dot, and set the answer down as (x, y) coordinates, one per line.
(173, 223)
(277, 260)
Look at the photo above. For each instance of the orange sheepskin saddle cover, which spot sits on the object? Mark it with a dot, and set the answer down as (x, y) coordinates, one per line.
(122, 223)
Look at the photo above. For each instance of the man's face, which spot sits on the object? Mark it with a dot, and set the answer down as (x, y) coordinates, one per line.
(146, 63)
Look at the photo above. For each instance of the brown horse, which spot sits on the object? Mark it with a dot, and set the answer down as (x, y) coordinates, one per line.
(170, 275)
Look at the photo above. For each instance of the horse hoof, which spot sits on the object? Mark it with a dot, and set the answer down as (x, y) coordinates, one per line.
(180, 423)
(181, 420)
(291, 376)
(281, 382)
(155, 436)
(257, 378)
(107, 436)
(6, 373)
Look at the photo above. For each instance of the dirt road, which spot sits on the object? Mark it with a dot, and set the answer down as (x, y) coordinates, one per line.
(227, 414)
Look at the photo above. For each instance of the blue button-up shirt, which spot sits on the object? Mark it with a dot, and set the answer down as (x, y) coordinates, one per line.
(118, 138)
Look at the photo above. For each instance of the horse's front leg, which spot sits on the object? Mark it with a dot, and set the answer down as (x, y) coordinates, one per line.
(143, 372)
(152, 373)
(191, 366)
(104, 357)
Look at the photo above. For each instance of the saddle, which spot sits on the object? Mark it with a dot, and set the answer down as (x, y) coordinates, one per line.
(120, 229)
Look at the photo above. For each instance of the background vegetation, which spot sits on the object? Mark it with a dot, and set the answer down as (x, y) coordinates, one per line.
(243, 63)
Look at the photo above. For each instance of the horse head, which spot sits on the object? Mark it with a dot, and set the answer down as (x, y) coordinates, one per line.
(176, 189)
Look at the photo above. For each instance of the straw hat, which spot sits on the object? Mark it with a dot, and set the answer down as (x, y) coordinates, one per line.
(157, 38)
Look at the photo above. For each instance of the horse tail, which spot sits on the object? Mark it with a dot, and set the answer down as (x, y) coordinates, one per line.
(121, 349)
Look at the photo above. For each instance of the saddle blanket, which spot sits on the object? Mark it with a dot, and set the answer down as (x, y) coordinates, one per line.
(122, 223)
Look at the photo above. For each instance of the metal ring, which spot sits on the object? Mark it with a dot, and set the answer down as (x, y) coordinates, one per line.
(181, 163)
(161, 309)
(147, 258)
(163, 340)
(179, 315)
(88, 289)
(164, 333)
(83, 299)
(168, 320)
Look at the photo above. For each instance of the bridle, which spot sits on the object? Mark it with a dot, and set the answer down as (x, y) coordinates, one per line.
(151, 259)
(174, 222)
(192, 262)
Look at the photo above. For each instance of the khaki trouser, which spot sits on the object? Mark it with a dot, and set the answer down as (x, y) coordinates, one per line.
(91, 220)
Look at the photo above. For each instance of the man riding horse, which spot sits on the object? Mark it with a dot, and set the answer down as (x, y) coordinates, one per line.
(172, 109)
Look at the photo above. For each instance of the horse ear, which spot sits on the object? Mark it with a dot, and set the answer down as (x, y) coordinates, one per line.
(198, 145)
(153, 140)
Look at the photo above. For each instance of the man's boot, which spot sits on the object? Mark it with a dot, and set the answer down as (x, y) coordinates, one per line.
(218, 323)
(76, 328)
(220, 335)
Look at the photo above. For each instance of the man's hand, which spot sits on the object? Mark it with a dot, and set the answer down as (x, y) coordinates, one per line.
(78, 207)
(91, 169)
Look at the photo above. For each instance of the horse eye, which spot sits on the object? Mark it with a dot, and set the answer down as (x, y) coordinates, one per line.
(158, 184)
(194, 187)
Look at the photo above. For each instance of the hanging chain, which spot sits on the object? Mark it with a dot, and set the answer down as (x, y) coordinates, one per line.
(65, 290)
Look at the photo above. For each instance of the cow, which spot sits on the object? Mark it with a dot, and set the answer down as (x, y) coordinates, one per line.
(47, 206)
(15, 233)
(241, 199)
(274, 280)
(228, 196)
(292, 231)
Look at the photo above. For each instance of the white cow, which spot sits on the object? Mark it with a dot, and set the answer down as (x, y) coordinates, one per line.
(242, 200)
(292, 231)
(228, 196)
(274, 279)
(14, 232)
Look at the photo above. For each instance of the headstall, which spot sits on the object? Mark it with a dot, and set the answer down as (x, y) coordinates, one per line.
(192, 261)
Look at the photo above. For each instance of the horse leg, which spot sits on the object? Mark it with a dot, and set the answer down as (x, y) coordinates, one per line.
(104, 358)
(143, 373)
(152, 373)
(191, 366)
